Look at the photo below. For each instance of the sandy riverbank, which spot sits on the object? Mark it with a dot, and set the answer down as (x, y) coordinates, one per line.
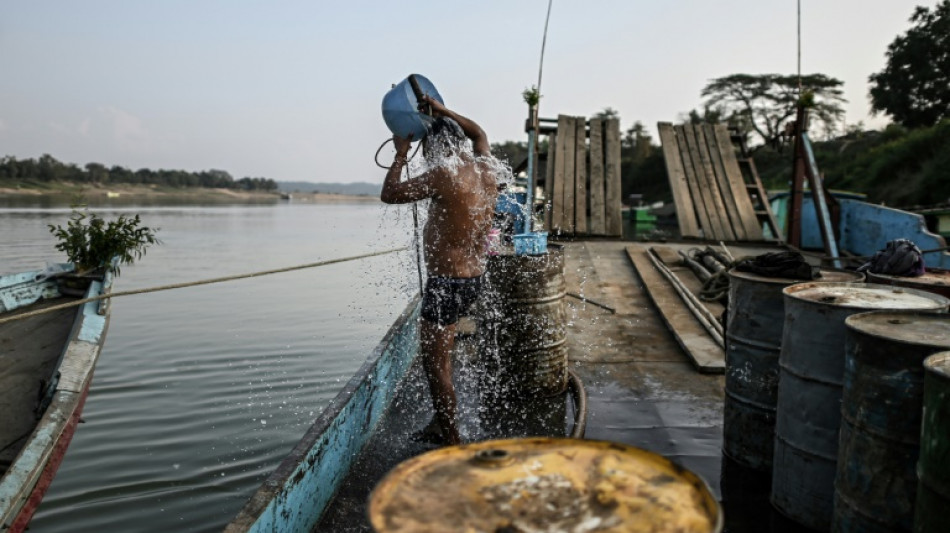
(97, 193)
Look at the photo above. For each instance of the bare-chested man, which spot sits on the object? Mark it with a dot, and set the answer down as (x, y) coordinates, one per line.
(462, 188)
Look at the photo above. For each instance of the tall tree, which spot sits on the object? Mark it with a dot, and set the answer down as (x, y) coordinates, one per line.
(764, 102)
(914, 87)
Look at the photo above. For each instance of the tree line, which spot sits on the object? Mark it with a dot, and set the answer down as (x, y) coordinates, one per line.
(48, 169)
(906, 164)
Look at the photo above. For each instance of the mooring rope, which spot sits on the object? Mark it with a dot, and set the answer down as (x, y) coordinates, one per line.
(196, 283)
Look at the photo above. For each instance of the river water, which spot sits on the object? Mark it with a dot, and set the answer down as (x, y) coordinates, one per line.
(201, 392)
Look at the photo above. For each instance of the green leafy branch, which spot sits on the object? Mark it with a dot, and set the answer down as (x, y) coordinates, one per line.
(92, 242)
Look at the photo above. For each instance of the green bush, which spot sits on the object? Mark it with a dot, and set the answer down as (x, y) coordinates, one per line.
(92, 242)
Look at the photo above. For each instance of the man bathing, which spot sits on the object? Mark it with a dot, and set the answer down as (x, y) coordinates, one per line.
(462, 188)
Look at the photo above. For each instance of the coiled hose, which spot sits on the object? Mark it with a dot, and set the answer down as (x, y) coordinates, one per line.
(579, 396)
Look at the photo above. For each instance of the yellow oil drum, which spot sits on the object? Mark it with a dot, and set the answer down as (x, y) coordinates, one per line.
(542, 484)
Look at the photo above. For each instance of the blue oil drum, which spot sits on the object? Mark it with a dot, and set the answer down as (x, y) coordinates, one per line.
(400, 108)
(881, 410)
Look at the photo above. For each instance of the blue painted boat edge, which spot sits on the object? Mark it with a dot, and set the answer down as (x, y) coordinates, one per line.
(81, 354)
(295, 495)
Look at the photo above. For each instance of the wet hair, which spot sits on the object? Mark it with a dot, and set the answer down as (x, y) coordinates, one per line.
(444, 136)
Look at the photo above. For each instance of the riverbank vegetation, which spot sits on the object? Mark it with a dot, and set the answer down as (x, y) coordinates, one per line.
(49, 173)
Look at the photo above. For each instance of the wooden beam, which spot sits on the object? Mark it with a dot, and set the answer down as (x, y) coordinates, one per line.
(580, 176)
(598, 223)
(729, 195)
(560, 172)
(753, 229)
(714, 191)
(709, 194)
(612, 178)
(567, 154)
(549, 179)
(692, 181)
(685, 213)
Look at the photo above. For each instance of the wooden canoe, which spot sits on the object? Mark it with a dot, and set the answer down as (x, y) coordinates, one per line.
(46, 368)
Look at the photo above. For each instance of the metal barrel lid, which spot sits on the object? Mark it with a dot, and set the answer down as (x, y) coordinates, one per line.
(906, 327)
(827, 275)
(542, 484)
(865, 296)
(939, 364)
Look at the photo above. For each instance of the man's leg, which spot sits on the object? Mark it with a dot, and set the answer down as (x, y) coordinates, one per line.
(436, 343)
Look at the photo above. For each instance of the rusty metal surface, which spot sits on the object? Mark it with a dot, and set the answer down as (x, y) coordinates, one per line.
(542, 485)
(933, 469)
(522, 322)
(756, 316)
(882, 400)
(936, 280)
(812, 361)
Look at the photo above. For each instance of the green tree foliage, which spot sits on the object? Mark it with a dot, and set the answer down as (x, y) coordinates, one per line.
(914, 87)
(48, 170)
(762, 103)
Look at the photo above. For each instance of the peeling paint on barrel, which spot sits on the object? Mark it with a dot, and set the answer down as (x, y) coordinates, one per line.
(811, 363)
(882, 400)
(933, 468)
(753, 341)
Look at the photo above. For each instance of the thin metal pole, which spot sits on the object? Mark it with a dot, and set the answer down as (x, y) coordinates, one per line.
(799, 49)
(528, 224)
(544, 40)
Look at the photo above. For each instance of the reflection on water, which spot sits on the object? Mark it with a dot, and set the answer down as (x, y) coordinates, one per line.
(201, 392)
(46, 201)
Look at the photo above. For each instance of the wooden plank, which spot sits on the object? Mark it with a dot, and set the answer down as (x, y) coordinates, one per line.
(580, 176)
(612, 177)
(598, 223)
(707, 196)
(568, 154)
(685, 213)
(725, 188)
(753, 230)
(693, 184)
(549, 179)
(706, 355)
(715, 193)
(560, 171)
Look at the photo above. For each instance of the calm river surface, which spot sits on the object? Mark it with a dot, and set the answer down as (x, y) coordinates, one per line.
(201, 392)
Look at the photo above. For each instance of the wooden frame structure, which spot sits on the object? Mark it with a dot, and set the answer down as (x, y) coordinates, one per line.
(582, 182)
(714, 198)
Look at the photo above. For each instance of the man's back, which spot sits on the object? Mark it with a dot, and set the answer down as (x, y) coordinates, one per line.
(460, 216)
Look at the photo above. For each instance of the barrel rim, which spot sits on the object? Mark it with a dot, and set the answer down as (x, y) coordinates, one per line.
(943, 360)
(751, 276)
(710, 502)
(853, 323)
(794, 292)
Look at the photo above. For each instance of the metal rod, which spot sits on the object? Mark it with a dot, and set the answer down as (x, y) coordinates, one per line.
(699, 310)
(592, 302)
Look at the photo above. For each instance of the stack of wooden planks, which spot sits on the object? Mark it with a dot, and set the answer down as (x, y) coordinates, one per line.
(713, 199)
(583, 183)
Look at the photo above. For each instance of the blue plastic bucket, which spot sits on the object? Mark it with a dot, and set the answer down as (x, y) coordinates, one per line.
(531, 243)
(400, 108)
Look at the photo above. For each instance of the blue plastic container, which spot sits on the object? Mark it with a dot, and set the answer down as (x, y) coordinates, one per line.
(400, 108)
(531, 243)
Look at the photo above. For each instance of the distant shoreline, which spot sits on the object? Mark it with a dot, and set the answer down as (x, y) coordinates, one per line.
(152, 192)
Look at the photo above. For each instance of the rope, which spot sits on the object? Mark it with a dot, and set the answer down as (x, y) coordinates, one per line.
(196, 283)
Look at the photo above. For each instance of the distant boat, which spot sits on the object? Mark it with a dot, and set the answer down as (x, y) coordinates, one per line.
(286, 196)
(47, 363)
(110, 194)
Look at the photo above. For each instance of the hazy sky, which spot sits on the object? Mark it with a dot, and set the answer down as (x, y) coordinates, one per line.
(292, 90)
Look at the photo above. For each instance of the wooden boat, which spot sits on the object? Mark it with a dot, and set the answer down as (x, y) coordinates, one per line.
(46, 368)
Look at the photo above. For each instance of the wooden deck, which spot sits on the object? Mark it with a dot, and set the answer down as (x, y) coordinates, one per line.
(643, 390)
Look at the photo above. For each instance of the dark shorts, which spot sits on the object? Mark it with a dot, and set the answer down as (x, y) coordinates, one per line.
(445, 299)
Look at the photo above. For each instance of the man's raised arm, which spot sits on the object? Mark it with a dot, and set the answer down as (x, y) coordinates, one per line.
(472, 130)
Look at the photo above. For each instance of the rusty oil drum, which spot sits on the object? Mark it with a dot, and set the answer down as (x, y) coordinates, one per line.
(933, 468)
(936, 280)
(542, 485)
(881, 404)
(524, 322)
(753, 341)
(811, 368)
